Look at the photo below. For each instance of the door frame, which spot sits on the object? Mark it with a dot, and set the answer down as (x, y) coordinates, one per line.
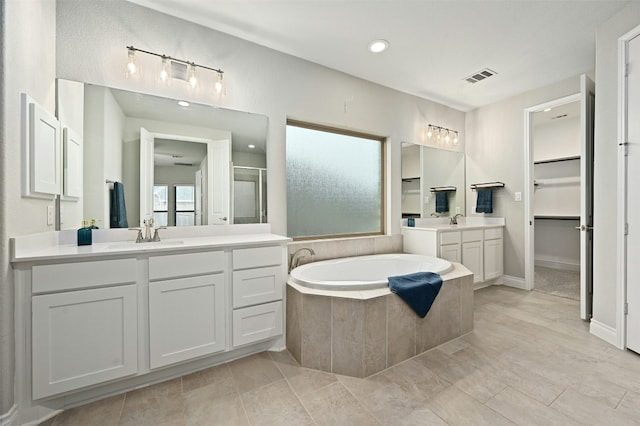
(621, 139)
(529, 233)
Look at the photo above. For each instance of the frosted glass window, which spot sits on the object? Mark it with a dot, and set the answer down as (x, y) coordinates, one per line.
(334, 183)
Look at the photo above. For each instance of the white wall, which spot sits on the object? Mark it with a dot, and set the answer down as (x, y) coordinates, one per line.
(605, 231)
(557, 244)
(284, 87)
(556, 139)
(28, 54)
(495, 152)
(248, 159)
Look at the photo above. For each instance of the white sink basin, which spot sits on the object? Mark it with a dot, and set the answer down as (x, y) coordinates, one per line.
(132, 245)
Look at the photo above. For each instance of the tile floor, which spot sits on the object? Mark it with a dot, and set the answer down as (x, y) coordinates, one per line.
(529, 361)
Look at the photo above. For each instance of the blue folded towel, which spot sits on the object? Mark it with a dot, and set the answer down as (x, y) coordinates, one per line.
(118, 211)
(442, 202)
(418, 290)
(485, 201)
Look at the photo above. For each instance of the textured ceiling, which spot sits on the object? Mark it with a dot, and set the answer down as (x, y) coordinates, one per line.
(434, 45)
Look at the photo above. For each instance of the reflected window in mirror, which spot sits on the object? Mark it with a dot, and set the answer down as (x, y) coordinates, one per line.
(335, 182)
(185, 205)
(160, 205)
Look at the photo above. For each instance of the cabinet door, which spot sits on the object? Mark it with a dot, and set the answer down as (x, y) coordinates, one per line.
(493, 255)
(472, 259)
(82, 338)
(450, 252)
(186, 318)
(44, 151)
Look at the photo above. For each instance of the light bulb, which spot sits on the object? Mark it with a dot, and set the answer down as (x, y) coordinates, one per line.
(218, 85)
(438, 135)
(165, 71)
(447, 137)
(193, 79)
(455, 138)
(429, 132)
(132, 69)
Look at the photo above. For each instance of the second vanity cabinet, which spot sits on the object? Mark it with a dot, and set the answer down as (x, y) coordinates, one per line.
(480, 249)
(186, 306)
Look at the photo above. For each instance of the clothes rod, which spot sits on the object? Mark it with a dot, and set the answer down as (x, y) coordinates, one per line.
(109, 181)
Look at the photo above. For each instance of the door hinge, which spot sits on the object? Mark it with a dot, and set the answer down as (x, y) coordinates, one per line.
(626, 308)
(626, 228)
(626, 70)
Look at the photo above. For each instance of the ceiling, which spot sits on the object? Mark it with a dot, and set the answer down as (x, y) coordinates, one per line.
(433, 44)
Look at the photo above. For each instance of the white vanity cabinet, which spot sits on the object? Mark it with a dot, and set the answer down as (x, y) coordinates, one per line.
(84, 324)
(258, 289)
(478, 248)
(186, 306)
(493, 253)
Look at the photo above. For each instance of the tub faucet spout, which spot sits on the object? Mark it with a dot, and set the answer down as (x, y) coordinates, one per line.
(294, 259)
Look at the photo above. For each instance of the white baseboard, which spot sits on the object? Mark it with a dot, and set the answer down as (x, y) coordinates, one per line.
(515, 282)
(563, 266)
(8, 418)
(604, 332)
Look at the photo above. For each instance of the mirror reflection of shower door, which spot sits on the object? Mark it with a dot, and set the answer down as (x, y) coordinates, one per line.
(248, 195)
(263, 196)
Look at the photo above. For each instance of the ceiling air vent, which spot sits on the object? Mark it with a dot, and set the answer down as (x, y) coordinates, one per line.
(480, 75)
(559, 116)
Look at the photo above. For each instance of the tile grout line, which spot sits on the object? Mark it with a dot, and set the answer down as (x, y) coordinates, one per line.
(626, 391)
(235, 387)
(358, 399)
(124, 400)
(286, 380)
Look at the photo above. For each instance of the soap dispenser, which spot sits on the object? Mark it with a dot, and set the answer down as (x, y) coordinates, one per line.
(84, 234)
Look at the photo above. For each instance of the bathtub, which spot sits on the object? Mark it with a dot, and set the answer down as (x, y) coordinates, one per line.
(364, 272)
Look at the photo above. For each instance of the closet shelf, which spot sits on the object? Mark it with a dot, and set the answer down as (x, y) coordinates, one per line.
(486, 185)
(443, 189)
(557, 181)
(557, 160)
(411, 179)
(561, 217)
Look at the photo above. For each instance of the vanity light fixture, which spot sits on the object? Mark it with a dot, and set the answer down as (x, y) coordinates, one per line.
(443, 135)
(165, 75)
(377, 46)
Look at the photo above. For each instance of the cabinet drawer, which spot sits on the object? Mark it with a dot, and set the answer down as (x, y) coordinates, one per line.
(254, 286)
(72, 276)
(472, 235)
(450, 238)
(257, 323)
(257, 257)
(492, 233)
(180, 265)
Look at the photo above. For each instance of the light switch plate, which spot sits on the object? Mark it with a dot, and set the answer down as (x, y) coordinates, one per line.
(518, 196)
(50, 215)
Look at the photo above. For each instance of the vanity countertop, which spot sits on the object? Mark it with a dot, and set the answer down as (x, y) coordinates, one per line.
(464, 223)
(56, 245)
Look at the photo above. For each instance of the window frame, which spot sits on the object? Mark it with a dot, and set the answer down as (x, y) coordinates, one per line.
(175, 202)
(383, 176)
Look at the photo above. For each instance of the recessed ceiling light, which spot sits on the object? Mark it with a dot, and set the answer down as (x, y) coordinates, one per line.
(546, 110)
(252, 146)
(183, 103)
(377, 46)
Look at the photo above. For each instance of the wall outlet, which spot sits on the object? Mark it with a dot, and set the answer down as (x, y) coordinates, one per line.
(50, 215)
(457, 209)
(518, 196)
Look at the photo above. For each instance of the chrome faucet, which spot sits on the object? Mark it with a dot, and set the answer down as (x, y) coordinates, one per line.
(454, 219)
(435, 215)
(294, 259)
(147, 238)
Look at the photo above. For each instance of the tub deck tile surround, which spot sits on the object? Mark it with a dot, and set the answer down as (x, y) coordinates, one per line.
(360, 333)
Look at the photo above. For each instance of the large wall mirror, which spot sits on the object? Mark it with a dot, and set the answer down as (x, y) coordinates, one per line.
(428, 174)
(182, 164)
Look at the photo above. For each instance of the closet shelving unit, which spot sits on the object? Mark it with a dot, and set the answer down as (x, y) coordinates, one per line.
(556, 185)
